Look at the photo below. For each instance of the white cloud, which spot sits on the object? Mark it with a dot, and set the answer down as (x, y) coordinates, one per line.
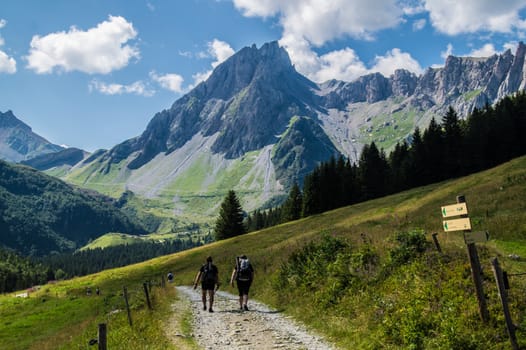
(419, 24)
(258, 8)
(512, 46)
(485, 51)
(199, 77)
(313, 23)
(412, 7)
(393, 60)
(172, 82)
(448, 52)
(308, 23)
(136, 88)
(7, 64)
(342, 64)
(220, 51)
(469, 16)
(101, 49)
(319, 21)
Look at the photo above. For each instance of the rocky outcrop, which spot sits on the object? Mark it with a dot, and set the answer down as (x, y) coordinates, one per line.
(464, 83)
(18, 142)
(301, 148)
(248, 100)
(67, 157)
(256, 100)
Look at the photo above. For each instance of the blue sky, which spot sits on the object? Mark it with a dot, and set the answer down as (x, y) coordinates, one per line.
(92, 73)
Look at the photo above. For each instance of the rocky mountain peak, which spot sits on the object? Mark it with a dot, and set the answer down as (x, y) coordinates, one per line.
(403, 82)
(18, 142)
(8, 120)
(245, 66)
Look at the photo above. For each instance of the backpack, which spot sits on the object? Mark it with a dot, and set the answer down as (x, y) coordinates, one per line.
(244, 272)
(209, 275)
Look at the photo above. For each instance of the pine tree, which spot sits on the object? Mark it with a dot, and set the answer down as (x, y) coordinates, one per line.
(400, 162)
(373, 172)
(291, 209)
(230, 220)
(453, 146)
(434, 151)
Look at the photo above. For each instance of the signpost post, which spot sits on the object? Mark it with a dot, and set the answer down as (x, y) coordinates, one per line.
(464, 224)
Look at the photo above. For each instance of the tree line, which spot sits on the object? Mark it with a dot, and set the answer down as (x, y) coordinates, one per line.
(40, 214)
(448, 149)
(18, 272)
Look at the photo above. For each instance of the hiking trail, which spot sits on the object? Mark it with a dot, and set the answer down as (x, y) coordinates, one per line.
(259, 328)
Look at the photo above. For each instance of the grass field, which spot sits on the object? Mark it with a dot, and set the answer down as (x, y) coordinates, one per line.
(425, 303)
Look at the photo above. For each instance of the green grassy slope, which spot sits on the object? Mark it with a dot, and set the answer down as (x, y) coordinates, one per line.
(426, 303)
(114, 238)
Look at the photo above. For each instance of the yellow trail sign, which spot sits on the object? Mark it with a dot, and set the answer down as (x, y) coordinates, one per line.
(456, 224)
(454, 210)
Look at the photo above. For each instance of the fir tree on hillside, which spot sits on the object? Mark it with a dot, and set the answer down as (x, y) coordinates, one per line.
(230, 220)
(293, 205)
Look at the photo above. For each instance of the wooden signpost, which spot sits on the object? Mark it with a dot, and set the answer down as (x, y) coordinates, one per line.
(464, 224)
(457, 224)
(454, 210)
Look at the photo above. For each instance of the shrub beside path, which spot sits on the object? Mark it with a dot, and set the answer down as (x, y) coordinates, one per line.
(260, 328)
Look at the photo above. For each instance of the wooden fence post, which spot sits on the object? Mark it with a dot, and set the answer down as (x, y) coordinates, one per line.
(145, 285)
(125, 293)
(435, 240)
(497, 271)
(102, 336)
(476, 273)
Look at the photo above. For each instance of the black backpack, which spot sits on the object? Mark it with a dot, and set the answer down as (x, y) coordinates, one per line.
(209, 274)
(244, 272)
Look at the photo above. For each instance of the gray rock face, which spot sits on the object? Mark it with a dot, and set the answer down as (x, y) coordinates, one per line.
(256, 99)
(249, 99)
(464, 83)
(18, 142)
(403, 83)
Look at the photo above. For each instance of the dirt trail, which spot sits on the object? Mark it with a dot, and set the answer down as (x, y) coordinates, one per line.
(260, 328)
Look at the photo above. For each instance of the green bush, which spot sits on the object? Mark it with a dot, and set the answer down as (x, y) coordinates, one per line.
(410, 245)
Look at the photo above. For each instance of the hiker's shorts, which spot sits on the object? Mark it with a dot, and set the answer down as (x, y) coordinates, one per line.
(243, 287)
(207, 286)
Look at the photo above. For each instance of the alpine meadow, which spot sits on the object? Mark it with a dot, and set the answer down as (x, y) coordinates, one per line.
(354, 170)
(367, 276)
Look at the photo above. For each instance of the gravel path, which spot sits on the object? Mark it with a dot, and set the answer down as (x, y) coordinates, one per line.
(259, 328)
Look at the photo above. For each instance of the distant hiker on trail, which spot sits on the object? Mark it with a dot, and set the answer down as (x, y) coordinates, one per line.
(170, 277)
(244, 275)
(209, 276)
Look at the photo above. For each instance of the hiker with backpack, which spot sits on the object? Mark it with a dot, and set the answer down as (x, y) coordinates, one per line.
(209, 276)
(243, 274)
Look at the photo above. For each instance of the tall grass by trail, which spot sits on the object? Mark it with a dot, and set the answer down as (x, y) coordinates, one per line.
(368, 294)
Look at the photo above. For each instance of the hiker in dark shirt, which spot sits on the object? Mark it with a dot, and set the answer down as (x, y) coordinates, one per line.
(243, 274)
(209, 276)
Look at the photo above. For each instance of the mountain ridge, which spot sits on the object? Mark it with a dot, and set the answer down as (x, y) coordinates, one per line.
(40, 214)
(252, 102)
(18, 142)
